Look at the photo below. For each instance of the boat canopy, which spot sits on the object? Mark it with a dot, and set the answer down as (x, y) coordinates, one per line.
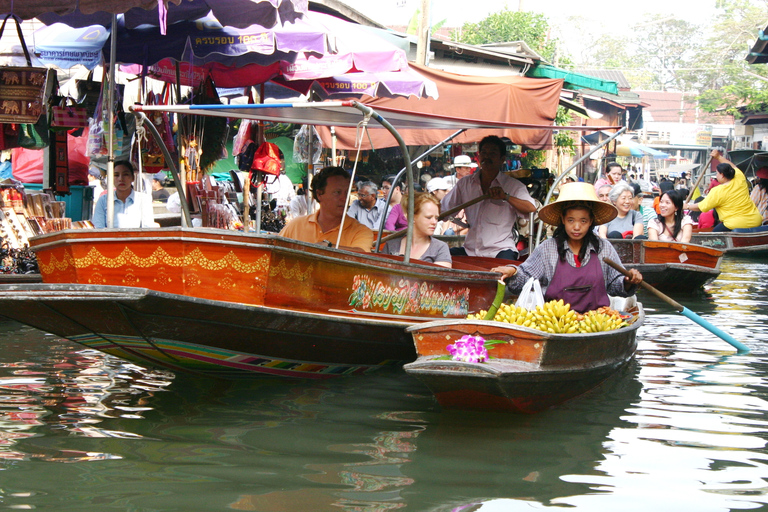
(348, 114)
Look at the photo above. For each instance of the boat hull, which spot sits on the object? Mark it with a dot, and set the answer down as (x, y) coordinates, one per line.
(736, 244)
(231, 305)
(213, 338)
(671, 267)
(532, 372)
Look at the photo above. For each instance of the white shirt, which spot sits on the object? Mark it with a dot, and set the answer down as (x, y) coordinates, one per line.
(135, 212)
(490, 222)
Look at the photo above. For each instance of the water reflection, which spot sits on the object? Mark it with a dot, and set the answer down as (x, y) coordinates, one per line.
(65, 390)
(682, 428)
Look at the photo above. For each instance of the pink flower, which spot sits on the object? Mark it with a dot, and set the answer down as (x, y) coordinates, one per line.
(470, 349)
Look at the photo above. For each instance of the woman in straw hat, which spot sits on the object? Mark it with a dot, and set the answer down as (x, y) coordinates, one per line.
(570, 264)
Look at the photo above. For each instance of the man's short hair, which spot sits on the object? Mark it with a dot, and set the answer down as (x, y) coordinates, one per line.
(320, 179)
(370, 186)
(496, 141)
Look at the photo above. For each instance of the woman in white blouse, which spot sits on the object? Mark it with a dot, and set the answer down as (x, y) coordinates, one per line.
(672, 224)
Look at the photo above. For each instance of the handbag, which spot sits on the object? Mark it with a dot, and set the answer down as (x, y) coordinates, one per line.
(531, 295)
(64, 116)
(24, 91)
(88, 92)
(34, 136)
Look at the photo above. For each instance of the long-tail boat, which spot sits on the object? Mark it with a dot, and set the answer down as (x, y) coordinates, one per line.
(227, 304)
(672, 267)
(530, 372)
(735, 243)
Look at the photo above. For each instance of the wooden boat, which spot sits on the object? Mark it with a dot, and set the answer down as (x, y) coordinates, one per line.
(533, 371)
(672, 267)
(734, 243)
(227, 304)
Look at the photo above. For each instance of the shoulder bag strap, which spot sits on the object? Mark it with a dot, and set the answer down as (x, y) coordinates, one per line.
(21, 36)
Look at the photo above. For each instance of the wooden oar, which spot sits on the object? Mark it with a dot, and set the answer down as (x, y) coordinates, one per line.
(447, 213)
(742, 349)
(698, 181)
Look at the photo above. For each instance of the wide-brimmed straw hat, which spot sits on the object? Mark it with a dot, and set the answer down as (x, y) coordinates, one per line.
(578, 194)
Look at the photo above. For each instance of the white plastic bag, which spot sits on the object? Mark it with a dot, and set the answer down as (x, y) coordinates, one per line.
(531, 295)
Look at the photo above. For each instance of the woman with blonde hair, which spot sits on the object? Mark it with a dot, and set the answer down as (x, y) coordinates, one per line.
(424, 247)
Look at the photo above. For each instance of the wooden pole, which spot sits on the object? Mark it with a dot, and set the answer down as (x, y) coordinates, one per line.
(445, 214)
(698, 181)
(422, 42)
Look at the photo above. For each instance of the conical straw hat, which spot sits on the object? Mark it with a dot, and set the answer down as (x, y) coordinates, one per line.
(581, 194)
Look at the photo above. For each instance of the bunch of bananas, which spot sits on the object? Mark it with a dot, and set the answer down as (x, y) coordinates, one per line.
(556, 316)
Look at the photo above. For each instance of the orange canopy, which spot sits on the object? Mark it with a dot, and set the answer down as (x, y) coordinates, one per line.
(513, 99)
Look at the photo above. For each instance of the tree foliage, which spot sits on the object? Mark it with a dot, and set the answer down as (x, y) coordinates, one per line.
(666, 44)
(726, 81)
(671, 54)
(505, 26)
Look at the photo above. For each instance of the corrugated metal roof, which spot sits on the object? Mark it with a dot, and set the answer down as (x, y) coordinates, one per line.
(608, 74)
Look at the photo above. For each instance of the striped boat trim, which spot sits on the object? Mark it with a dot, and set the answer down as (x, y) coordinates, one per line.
(213, 361)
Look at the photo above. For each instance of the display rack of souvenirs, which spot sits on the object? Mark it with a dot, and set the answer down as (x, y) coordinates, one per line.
(43, 214)
(15, 230)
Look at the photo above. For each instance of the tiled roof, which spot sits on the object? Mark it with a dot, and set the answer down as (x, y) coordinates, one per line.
(665, 107)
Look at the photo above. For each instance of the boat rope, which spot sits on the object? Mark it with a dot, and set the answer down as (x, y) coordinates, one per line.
(139, 135)
(362, 127)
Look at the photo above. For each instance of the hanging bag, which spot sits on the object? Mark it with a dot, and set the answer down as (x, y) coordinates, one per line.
(24, 91)
(88, 92)
(67, 115)
(531, 295)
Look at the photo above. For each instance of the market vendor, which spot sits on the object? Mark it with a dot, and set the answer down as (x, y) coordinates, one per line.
(131, 209)
(735, 208)
(329, 188)
(570, 264)
(491, 221)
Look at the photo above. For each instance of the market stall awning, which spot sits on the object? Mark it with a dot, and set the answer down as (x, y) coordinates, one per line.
(509, 100)
(574, 80)
(346, 114)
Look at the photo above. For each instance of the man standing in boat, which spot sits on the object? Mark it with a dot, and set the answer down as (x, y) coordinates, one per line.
(329, 188)
(491, 221)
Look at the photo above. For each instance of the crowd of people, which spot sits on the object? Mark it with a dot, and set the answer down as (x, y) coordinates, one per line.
(727, 205)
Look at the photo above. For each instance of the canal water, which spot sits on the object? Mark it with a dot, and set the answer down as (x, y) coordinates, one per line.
(683, 428)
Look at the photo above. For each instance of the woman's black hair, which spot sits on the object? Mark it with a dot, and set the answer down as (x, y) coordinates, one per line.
(127, 164)
(726, 170)
(763, 184)
(590, 238)
(676, 197)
